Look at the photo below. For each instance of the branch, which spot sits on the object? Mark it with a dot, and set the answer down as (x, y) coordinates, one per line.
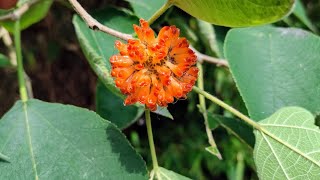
(94, 24)
(16, 14)
(209, 59)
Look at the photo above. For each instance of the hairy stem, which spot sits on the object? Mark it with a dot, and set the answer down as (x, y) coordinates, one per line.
(157, 14)
(151, 142)
(203, 108)
(228, 107)
(21, 78)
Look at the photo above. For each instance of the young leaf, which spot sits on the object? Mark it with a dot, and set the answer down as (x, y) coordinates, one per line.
(288, 146)
(33, 15)
(55, 141)
(110, 106)
(144, 8)
(165, 174)
(274, 68)
(234, 126)
(236, 13)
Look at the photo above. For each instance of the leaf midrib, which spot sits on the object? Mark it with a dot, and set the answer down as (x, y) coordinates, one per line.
(266, 132)
(29, 139)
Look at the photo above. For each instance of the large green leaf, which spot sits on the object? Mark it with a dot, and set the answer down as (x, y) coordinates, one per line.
(98, 47)
(274, 68)
(54, 141)
(236, 13)
(288, 146)
(144, 8)
(110, 106)
(36, 12)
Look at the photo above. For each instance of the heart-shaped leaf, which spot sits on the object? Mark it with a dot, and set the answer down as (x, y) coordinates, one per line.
(54, 141)
(274, 68)
(236, 13)
(288, 146)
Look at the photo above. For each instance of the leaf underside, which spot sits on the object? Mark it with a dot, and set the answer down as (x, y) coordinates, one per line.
(288, 147)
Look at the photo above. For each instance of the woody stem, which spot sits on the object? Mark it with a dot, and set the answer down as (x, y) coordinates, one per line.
(151, 142)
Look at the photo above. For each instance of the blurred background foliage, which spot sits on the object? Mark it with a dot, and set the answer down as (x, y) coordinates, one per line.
(59, 73)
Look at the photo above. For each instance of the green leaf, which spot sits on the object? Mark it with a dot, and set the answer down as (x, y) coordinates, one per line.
(300, 13)
(144, 8)
(4, 61)
(165, 174)
(214, 151)
(98, 47)
(236, 13)
(36, 12)
(234, 126)
(54, 141)
(110, 106)
(287, 147)
(274, 68)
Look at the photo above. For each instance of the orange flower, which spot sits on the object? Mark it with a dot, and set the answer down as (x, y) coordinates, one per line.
(154, 71)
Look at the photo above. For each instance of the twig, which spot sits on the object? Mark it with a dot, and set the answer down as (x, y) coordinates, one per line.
(16, 14)
(94, 24)
(209, 59)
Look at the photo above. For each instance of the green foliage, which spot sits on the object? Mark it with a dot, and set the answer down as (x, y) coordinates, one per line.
(111, 107)
(33, 15)
(236, 13)
(234, 126)
(274, 68)
(164, 174)
(4, 61)
(287, 146)
(54, 141)
(144, 8)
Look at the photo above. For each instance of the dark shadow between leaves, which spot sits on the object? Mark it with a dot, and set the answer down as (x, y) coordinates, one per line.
(120, 146)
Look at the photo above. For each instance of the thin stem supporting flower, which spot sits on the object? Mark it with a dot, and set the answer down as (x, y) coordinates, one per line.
(20, 71)
(203, 109)
(227, 107)
(162, 10)
(151, 142)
